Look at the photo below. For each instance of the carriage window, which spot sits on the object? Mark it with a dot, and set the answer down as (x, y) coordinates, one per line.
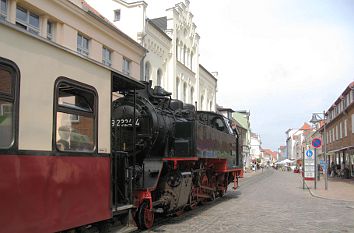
(7, 100)
(75, 118)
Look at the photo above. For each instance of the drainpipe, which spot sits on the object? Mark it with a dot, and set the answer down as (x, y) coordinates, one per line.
(142, 67)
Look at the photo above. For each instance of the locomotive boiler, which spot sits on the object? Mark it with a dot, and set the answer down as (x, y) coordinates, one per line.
(179, 156)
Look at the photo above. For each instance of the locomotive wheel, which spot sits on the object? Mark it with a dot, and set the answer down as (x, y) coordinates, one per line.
(145, 216)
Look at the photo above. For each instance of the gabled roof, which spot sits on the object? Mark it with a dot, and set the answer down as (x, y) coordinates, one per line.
(347, 89)
(270, 152)
(305, 126)
(242, 118)
(159, 26)
(160, 22)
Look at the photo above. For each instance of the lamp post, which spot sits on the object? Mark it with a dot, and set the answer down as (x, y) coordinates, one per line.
(315, 119)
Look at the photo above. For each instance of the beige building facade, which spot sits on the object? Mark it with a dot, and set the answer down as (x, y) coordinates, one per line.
(76, 27)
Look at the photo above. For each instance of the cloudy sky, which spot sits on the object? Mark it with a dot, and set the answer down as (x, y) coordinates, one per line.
(280, 59)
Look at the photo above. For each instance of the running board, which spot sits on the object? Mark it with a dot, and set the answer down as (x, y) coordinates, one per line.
(122, 208)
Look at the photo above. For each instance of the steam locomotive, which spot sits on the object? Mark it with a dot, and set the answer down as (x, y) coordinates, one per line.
(178, 156)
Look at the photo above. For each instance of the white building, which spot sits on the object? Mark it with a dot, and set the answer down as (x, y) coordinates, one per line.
(294, 141)
(256, 146)
(172, 42)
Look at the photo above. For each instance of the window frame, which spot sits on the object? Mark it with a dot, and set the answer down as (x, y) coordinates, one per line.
(80, 49)
(159, 77)
(117, 15)
(26, 24)
(3, 14)
(50, 35)
(106, 61)
(14, 98)
(126, 61)
(57, 108)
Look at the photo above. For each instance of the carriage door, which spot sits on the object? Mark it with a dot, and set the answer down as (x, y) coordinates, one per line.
(120, 169)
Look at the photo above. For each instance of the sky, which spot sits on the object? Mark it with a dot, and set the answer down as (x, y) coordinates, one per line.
(282, 60)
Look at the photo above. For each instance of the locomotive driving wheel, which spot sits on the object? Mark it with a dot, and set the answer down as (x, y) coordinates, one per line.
(145, 216)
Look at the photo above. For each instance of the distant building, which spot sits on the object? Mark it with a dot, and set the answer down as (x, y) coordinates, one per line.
(294, 141)
(269, 157)
(172, 41)
(282, 153)
(243, 120)
(256, 147)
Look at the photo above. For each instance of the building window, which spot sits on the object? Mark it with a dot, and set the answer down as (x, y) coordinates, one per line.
(76, 121)
(184, 54)
(3, 9)
(327, 138)
(50, 30)
(116, 15)
(180, 57)
(159, 77)
(345, 128)
(201, 102)
(126, 66)
(147, 71)
(27, 20)
(177, 49)
(210, 106)
(82, 44)
(340, 129)
(177, 88)
(191, 62)
(352, 123)
(8, 101)
(185, 92)
(192, 95)
(106, 57)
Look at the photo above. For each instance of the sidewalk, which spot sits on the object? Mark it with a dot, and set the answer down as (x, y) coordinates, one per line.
(338, 188)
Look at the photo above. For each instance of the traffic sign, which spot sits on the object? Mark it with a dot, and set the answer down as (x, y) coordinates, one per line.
(309, 153)
(316, 142)
(309, 165)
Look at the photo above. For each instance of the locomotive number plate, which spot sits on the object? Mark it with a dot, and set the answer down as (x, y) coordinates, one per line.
(125, 122)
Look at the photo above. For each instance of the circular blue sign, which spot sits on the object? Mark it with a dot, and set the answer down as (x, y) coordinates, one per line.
(316, 142)
(309, 153)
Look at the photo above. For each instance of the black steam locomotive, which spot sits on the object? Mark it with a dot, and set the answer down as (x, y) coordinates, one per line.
(177, 156)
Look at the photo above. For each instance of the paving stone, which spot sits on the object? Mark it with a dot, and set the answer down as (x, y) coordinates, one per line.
(272, 201)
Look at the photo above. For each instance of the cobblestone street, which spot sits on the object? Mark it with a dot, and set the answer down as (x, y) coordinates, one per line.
(272, 201)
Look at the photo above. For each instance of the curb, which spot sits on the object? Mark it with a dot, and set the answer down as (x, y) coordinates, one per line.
(321, 197)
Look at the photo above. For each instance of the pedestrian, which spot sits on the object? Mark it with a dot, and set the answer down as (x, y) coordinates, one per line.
(333, 169)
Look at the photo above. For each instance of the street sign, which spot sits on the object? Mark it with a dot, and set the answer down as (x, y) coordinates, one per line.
(316, 142)
(309, 153)
(309, 165)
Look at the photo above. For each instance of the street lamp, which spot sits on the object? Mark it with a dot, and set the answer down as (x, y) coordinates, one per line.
(314, 120)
